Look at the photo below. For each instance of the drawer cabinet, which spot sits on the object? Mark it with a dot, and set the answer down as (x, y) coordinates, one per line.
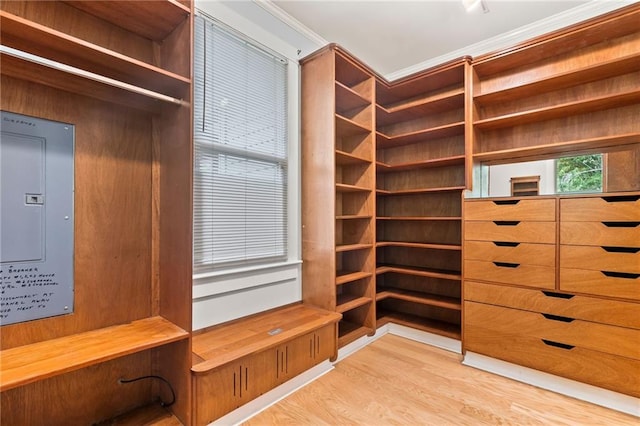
(503, 251)
(511, 231)
(600, 233)
(624, 208)
(511, 273)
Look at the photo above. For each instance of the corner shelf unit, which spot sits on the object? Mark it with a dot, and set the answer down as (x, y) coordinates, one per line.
(576, 90)
(338, 116)
(121, 73)
(421, 173)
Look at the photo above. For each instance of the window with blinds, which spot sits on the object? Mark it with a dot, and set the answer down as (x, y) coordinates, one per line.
(240, 137)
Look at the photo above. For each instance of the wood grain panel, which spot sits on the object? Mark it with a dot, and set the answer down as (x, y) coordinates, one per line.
(615, 312)
(599, 259)
(522, 274)
(520, 232)
(596, 209)
(599, 283)
(584, 334)
(598, 234)
(612, 372)
(526, 253)
(511, 209)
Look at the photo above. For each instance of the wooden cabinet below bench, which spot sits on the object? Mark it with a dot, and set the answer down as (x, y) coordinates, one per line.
(236, 362)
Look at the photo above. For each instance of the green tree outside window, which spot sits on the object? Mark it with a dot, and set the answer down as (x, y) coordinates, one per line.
(579, 174)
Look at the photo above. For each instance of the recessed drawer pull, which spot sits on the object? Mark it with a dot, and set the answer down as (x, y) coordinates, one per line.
(506, 244)
(620, 249)
(506, 202)
(558, 318)
(506, 222)
(623, 199)
(557, 345)
(506, 264)
(621, 224)
(626, 275)
(557, 295)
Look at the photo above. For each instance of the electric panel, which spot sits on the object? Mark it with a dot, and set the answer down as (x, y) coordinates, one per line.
(36, 218)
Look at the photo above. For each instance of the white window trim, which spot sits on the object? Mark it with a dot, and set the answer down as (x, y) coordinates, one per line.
(218, 283)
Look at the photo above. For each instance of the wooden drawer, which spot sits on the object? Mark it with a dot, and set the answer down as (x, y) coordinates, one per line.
(596, 209)
(520, 274)
(514, 231)
(526, 253)
(599, 234)
(511, 209)
(613, 372)
(615, 312)
(566, 330)
(607, 283)
(619, 259)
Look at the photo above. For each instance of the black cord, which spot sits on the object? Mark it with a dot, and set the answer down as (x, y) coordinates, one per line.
(162, 403)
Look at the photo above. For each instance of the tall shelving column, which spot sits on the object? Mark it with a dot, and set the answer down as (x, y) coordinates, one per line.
(420, 177)
(338, 199)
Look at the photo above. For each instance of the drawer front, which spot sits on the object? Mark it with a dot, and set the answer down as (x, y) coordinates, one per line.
(568, 331)
(512, 231)
(502, 251)
(519, 274)
(599, 234)
(603, 283)
(616, 373)
(619, 259)
(614, 312)
(530, 210)
(596, 209)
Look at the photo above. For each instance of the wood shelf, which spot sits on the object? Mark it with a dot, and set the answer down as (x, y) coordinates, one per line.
(419, 190)
(351, 247)
(419, 107)
(421, 298)
(425, 218)
(39, 40)
(347, 127)
(420, 323)
(556, 148)
(418, 271)
(348, 98)
(353, 217)
(559, 110)
(348, 332)
(345, 158)
(154, 20)
(30, 363)
(347, 302)
(344, 277)
(454, 160)
(594, 72)
(455, 247)
(343, 187)
(446, 130)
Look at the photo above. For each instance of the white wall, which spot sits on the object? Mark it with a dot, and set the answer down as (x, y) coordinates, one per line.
(500, 175)
(223, 296)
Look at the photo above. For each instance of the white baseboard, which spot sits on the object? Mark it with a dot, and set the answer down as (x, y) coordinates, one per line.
(431, 339)
(595, 395)
(270, 398)
(360, 343)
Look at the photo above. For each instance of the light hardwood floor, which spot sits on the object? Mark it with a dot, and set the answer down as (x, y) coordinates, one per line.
(396, 381)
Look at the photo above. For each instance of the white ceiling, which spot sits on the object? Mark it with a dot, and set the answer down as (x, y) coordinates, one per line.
(398, 37)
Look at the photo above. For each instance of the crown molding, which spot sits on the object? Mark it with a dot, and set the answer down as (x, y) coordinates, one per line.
(526, 32)
(292, 22)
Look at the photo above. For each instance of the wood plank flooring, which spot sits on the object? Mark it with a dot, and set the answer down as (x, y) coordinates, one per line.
(396, 381)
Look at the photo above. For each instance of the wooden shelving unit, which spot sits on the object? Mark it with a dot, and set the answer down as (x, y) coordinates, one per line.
(421, 173)
(338, 115)
(548, 97)
(121, 73)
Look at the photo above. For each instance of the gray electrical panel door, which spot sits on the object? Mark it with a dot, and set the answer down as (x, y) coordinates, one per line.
(36, 218)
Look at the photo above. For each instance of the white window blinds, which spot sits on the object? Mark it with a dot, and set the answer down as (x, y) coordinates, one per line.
(240, 136)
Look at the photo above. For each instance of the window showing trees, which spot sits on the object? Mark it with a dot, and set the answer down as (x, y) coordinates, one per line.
(579, 174)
